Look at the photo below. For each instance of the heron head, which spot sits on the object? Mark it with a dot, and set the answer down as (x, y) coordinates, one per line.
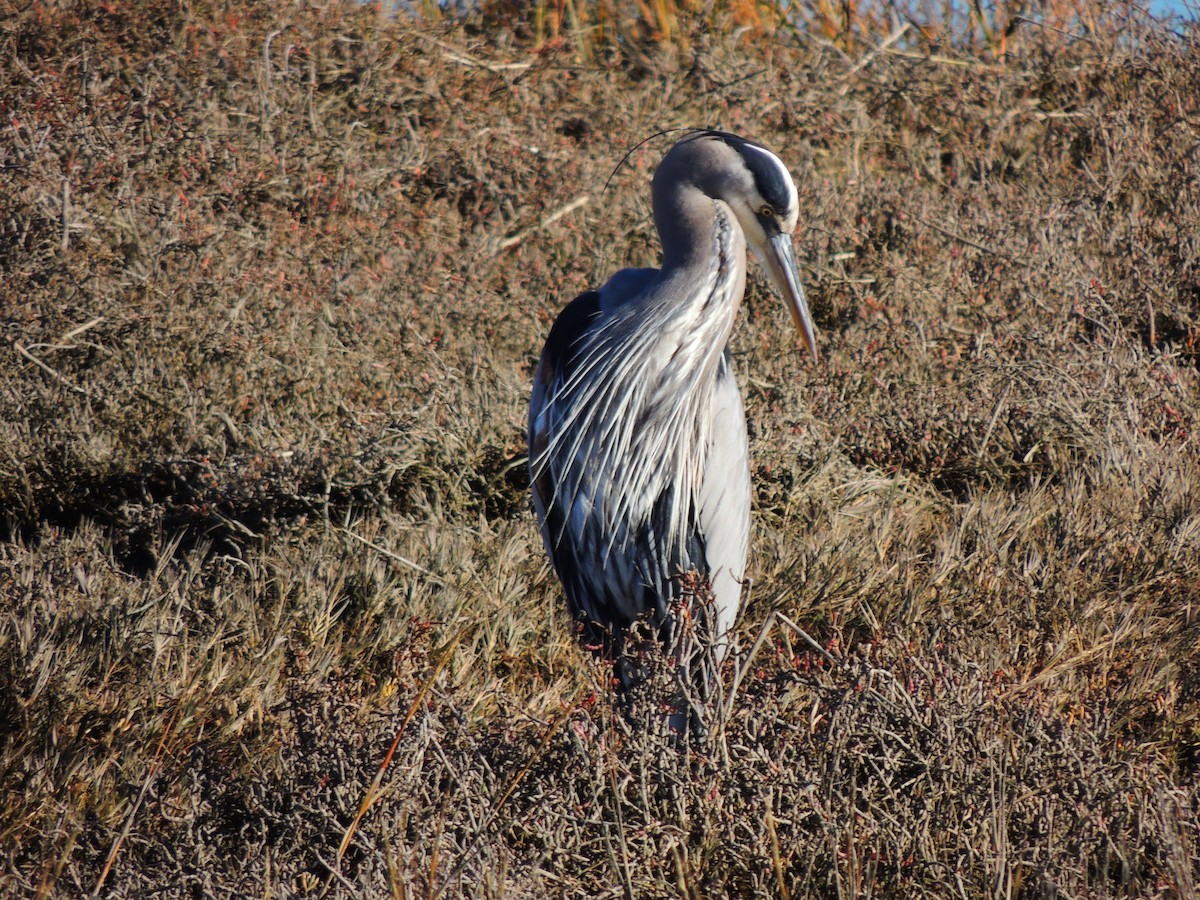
(757, 186)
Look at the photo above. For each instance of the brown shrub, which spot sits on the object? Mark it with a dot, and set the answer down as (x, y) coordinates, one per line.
(272, 279)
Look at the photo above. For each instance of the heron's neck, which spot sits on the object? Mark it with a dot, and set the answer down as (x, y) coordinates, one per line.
(695, 300)
(687, 220)
(704, 262)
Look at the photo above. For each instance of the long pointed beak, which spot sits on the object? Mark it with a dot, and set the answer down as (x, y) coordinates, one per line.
(781, 263)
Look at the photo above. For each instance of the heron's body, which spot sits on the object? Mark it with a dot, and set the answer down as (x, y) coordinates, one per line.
(637, 435)
(619, 555)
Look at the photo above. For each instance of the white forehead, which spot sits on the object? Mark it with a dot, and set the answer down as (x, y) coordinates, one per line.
(771, 177)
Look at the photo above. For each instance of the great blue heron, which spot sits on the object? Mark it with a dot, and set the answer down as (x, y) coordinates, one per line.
(638, 453)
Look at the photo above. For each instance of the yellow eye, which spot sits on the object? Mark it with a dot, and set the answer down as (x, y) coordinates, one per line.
(766, 212)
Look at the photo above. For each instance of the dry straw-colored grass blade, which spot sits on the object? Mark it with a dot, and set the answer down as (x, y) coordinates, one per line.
(375, 789)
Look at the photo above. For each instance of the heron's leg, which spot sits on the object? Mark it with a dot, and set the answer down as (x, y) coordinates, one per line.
(691, 640)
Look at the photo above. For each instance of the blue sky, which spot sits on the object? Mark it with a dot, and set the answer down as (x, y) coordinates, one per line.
(1178, 7)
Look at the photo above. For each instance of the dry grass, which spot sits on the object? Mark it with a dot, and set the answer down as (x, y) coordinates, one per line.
(272, 279)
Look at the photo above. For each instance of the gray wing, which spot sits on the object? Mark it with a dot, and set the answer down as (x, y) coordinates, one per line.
(558, 362)
(611, 572)
(562, 515)
(724, 499)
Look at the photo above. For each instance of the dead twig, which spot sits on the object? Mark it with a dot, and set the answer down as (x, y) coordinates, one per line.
(396, 557)
(456, 55)
(65, 240)
(955, 236)
(870, 57)
(374, 790)
(987, 434)
(515, 239)
(155, 762)
(60, 378)
(513, 783)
